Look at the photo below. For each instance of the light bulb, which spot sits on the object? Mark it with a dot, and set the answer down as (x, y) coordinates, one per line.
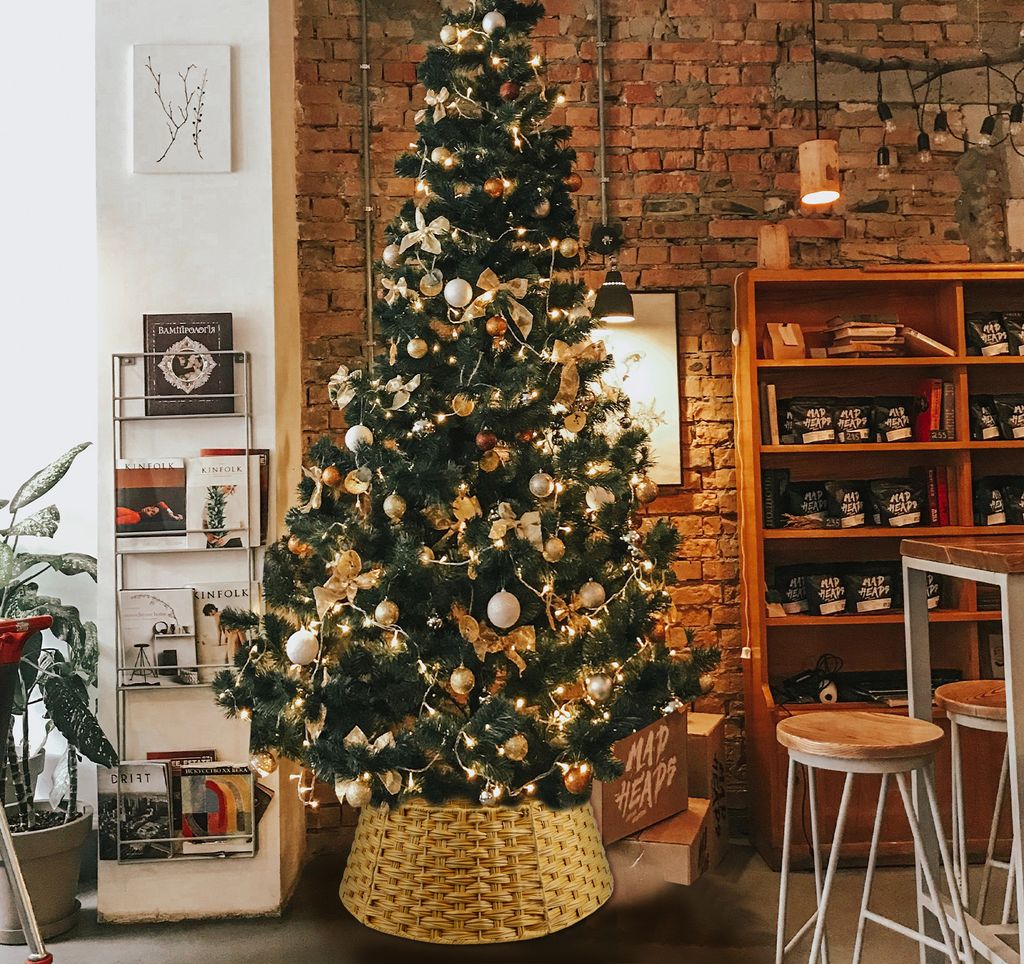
(924, 148)
(988, 127)
(1017, 118)
(940, 133)
(884, 160)
(885, 116)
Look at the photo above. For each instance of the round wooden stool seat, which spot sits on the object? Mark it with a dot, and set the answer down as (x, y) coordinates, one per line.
(983, 699)
(858, 735)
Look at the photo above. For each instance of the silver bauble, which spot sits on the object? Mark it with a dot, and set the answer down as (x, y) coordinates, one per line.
(493, 21)
(440, 154)
(541, 485)
(449, 34)
(422, 426)
(490, 796)
(591, 595)
(554, 549)
(392, 255)
(458, 292)
(707, 683)
(394, 507)
(358, 436)
(599, 687)
(503, 610)
(358, 794)
(645, 491)
(263, 762)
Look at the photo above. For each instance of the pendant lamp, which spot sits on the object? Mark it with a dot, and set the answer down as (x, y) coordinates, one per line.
(818, 160)
(614, 304)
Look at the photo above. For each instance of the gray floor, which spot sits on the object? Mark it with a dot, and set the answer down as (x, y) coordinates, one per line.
(727, 916)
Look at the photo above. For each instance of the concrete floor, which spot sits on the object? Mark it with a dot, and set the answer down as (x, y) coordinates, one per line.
(728, 916)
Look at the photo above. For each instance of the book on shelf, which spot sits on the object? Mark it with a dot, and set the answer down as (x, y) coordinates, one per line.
(928, 421)
(928, 479)
(922, 345)
(158, 644)
(853, 331)
(773, 482)
(215, 645)
(149, 502)
(942, 487)
(837, 322)
(184, 375)
(865, 349)
(217, 801)
(143, 817)
(264, 458)
(222, 504)
(174, 760)
(948, 418)
(769, 414)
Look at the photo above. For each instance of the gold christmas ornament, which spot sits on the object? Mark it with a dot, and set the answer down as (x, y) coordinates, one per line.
(496, 326)
(458, 292)
(440, 154)
(426, 554)
(554, 549)
(263, 762)
(591, 595)
(394, 507)
(707, 683)
(568, 247)
(392, 255)
(417, 347)
(516, 747)
(463, 405)
(431, 283)
(494, 187)
(574, 182)
(331, 476)
(490, 461)
(577, 778)
(541, 485)
(645, 491)
(297, 547)
(462, 680)
(386, 612)
(358, 481)
(543, 208)
(574, 422)
(357, 793)
(599, 687)
(503, 610)
(449, 35)
(495, 20)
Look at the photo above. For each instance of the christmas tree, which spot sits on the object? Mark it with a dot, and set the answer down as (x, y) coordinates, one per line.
(470, 603)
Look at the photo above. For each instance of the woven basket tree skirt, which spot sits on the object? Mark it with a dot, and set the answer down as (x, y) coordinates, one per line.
(465, 874)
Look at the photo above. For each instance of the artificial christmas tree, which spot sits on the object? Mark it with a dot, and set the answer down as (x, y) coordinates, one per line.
(470, 609)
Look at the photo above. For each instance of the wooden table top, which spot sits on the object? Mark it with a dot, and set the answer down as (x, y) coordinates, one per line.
(987, 553)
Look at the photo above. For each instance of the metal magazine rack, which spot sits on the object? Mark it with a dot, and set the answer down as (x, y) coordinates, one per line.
(129, 409)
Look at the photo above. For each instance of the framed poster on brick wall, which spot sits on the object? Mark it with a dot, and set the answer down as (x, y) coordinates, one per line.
(646, 353)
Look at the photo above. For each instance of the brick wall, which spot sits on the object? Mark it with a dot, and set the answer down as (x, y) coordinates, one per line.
(704, 116)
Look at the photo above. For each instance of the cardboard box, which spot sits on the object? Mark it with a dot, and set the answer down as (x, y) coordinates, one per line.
(705, 755)
(687, 845)
(783, 341)
(654, 785)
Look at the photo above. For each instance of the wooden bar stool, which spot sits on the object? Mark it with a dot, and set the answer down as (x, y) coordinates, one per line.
(854, 742)
(977, 705)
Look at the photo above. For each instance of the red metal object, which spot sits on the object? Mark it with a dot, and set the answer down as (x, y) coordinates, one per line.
(14, 633)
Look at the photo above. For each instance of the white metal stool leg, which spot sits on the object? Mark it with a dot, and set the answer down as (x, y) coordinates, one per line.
(830, 874)
(990, 861)
(787, 832)
(876, 834)
(959, 830)
(812, 793)
(1011, 881)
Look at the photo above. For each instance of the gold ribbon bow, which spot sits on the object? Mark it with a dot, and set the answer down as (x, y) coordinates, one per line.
(450, 521)
(569, 357)
(341, 389)
(391, 779)
(493, 286)
(484, 639)
(439, 101)
(527, 526)
(426, 235)
(403, 390)
(315, 473)
(347, 578)
(395, 290)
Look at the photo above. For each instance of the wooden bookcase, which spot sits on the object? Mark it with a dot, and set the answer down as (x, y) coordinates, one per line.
(934, 301)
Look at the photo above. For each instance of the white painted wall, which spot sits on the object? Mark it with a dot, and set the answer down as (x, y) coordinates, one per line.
(190, 243)
(48, 274)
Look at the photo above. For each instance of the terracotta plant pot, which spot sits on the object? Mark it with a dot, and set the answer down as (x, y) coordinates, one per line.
(50, 861)
(36, 762)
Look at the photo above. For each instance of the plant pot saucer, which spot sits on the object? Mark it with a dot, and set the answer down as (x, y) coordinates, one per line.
(48, 930)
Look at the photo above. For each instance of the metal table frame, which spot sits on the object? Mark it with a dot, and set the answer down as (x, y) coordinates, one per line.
(987, 940)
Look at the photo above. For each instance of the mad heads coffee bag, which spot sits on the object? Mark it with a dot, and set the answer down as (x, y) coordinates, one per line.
(893, 419)
(1013, 499)
(852, 419)
(1010, 414)
(826, 592)
(847, 503)
(871, 588)
(1013, 322)
(812, 420)
(989, 508)
(984, 424)
(791, 585)
(897, 502)
(986, 334)
(805, 502)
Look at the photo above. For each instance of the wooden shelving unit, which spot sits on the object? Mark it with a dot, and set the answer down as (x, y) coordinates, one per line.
(934, 301)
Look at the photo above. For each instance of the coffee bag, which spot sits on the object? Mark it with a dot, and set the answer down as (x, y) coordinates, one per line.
(1010, 414)
(984, 424)
(892, 419)
(852, 419)
(986, 334)
(897, 502)
(812, 420)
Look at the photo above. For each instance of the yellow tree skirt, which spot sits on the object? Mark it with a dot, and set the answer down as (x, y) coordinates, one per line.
(464, 874)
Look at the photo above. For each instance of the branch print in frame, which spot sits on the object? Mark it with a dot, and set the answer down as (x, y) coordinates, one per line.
(181, 109)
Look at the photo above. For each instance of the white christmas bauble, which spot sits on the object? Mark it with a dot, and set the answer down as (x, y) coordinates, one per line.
(417, 347)
(542, 485)
(598, 496)
(503, 610)
(458, 292)
(394, 507)
(599, 687)
(392, 254)
(554, 549)
(358, 436)
(449, 34)
(493, 21)
(591, 595)
(422, 426)
(386, 612)
(357, 793)
(440, 154)
(302, 646)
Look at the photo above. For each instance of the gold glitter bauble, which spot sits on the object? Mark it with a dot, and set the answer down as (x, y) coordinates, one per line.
(516, 747)
(462, 680)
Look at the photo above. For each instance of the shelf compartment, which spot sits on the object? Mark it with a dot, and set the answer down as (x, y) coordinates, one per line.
(865, 619)
(882, 532)
(834, 448)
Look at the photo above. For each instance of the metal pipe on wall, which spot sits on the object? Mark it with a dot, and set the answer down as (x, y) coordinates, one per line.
(602, 172)
(364, 71)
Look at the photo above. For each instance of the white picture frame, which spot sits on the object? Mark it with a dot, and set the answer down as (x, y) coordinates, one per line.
(181, 108)
(646, 355)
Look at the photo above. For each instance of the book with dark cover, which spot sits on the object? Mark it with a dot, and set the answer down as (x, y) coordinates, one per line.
(144, 816)
(773, 481)
(942, 485)
(948, 411)
(182, 369)
(175, 760)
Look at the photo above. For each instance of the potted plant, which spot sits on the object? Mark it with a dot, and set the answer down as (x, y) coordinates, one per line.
(57, 675)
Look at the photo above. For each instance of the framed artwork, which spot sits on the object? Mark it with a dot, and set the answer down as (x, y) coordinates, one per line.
(646, 354)
(181, 109)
